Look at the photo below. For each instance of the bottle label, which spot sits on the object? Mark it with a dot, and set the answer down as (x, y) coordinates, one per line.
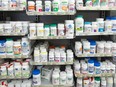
(91, 69)
(55, 7)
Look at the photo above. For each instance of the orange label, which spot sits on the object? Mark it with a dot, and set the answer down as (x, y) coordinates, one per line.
(31, 7)
(64, 8)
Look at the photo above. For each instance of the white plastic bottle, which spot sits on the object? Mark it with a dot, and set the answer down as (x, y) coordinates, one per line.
(51, 56)
(61, 29)
(25, 69)
(32, 29)
(78, 47)
(39, 7)
(90, 66)
(40, 29)
(86, 82)
(63, 5)
(71, 6)
(1, 29)
(46, 30)
(107, 49)
(62, 78)
(70, 56)
(77, 67)
(17, 70)
(79, 82)
(9, 47)
(69, 77)
(86, 48)
(17, 48)
(55, 78)
(48, 6)
(103, 82)
(55, 5)
(36, 77)
(100, 22)
(57, 56)
(79, 24)
(97, 82)
(53, 30)
(87, 27)
(79, 3)
(108, 26)
(37, 55)
(62, 56)
(94, 27)
(25, 46)
(109, 81)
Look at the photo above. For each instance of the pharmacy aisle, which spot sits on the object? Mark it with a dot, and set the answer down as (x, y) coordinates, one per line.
(57, 43)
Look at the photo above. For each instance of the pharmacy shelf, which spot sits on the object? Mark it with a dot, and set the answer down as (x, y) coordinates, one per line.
(11, 9)
(44, 84)
(51, 63)
(50, 37)
(50, 13)
(90, 75)
(94, 55)
(96, 8)
(11, 78)
(95, 33)
(21, 34)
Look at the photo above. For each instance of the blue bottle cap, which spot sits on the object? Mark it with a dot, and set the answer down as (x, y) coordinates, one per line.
(97, 64)
(113, 18)
(36, 72)
(90, 61)
(88, 23)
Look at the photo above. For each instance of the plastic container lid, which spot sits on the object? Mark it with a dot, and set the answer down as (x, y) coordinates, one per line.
(113, 18)
(108, 18)
(46, 26)
(97, 78)
(97, 64)
(88, 23)
(36, 72)
(92, 43)
(9, 39)
(90, 61)
(79, 16)
(69, 21)
(100, 19)
(53, 25)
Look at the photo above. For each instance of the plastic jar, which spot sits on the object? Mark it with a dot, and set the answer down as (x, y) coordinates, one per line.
(70, 56)
(113, 19)
(77, 68)
(36, 77)
(18, 28)
(51, 56)
(32, 29)
(84, 68)
(55, 5)
(39, 7)
(55, 78)
(1, 29)
(79, 24)
(61, 30)
(88, 3)
(40, 29)
(69, 77)
(7, 28)
(90, 66)
(69, 26)
(108, 69)
(25, 69)
(94, 27)
(92, 47)
(97, 68)
(62, 56)
(63, 78)
(114, 48)
(86, 48)
(25, 46)
(78, 47)
(46, 30)
(100, 48)
(71, 6)
(79, 82)
(97, 82)
(103, 82)
(31, 6)
(87, 27)
(64, 5)
(53, 30)
(48, 6)
(108, 26)
(109, 81)
(103, 69)
(57, 56)
(107, 48)
(9, 46)
(100, 22)
(25, 26)
(17, 47)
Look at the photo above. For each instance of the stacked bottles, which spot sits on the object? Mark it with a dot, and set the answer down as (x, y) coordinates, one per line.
(14, 27)
(55, 54)
(98, 26)
(93, 47)
(15, 69)
(16, 48)
(51, 6)
(94, 67)
(41, 30)
(53, 75)
(96, 3)
(95, 82)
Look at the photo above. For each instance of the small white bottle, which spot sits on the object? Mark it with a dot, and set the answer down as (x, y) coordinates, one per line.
(79, 3)
(17, 70)
(48, 6)
(63, 5)
(62, 56)
(108, 26)
(69, 79)
(90, 66)
(107, 49)
(86, 48)
(25, 46)
(62, 78)
(53, 30)
(71, 6)
(32, 30)
(79, 82)
(40, 29)
(37, 55)
(70, 56)
(55, 78)
(57, 56)
(94, 27)
(79, 24)
(25, 69)
(36, 77)
(39, 7)
(78, 47)
(51, 56)
(1, 29)
(109, 81)
(61, 29)
(103, 82)
(87, 27)
(77, 67)
(46, 30)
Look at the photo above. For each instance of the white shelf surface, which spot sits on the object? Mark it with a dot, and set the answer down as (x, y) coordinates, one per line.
(94, 55)
(93, 75)
(95, 33)
(96, 8)
(11, 9)
(50, 13)
(44, 84)
(50, 37)
(51, 63)
(13, 34)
